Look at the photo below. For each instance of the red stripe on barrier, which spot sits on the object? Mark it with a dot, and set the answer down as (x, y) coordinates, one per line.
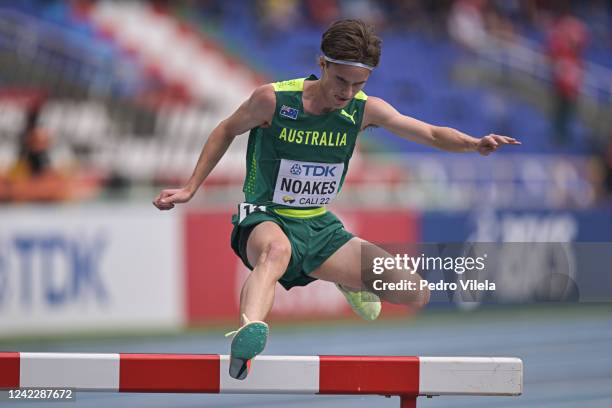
(9, 370)
(169, 373)
(384, 375)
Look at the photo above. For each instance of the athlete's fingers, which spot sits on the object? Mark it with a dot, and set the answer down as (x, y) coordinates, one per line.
(177, 197)
(505, 139)
(508, 139)
(492, 142)
(486, 148)
(489, 141)
(161, 201)
(162, 205)
(165, 196)
(167, 200)
(165, 207)
(162, 194)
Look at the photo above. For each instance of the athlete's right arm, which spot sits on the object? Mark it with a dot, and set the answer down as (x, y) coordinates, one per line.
(255, 111)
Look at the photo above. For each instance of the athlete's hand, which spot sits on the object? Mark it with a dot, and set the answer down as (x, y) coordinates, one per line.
(167, 198)
(491, 143)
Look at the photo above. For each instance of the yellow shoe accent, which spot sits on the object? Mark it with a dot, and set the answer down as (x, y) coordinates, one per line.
(366, 304)
(246, 323)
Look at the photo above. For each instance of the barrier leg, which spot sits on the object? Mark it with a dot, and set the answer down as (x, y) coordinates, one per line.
(408, 401)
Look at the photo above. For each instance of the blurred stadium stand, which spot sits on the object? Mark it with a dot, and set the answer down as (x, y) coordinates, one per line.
(131, 90)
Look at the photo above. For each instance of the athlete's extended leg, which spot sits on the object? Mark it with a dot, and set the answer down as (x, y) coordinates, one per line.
(269, 250)
(345, 268)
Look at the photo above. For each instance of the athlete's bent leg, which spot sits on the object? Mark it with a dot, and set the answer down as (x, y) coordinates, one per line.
(269, 251)
(345, 267)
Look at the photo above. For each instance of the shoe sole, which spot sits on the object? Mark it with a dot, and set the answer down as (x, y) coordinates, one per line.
(246, 344)
(239, 368)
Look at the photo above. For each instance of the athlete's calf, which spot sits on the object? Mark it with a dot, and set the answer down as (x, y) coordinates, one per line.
(269, 251)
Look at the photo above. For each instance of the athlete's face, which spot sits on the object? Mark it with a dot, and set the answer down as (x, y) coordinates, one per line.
(340, 83)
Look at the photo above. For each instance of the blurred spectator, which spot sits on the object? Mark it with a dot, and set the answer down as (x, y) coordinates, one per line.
(213, 10)
(567, 40)
(366, 10)
(607, 160)
(500, 22)
(510, 9)
(478, 24)
(31, 177)
(412, 15)
(323, 12)
(277, 16)
(466, 24)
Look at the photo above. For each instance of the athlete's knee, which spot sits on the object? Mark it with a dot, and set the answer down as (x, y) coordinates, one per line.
(418, 298)
(277, 252)
(399, 288)
(273, 260)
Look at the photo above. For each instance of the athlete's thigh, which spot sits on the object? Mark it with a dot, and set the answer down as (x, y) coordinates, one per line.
(352, 266)
(346, 264)
(262, 236)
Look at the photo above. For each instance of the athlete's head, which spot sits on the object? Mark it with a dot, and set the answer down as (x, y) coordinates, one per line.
(350, 50)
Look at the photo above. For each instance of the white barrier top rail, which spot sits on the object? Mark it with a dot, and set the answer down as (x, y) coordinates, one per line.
(404, 376)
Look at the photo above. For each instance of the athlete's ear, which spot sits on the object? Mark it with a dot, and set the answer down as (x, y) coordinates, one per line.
(322, 64)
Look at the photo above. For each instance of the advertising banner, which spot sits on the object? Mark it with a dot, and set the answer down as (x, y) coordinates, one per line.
(106, 268)
(527, 256)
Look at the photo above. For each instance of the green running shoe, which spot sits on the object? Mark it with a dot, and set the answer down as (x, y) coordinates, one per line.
(248, 341)
(366, 304)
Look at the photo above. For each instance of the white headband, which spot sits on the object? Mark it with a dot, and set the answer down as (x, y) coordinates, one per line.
(351, 63)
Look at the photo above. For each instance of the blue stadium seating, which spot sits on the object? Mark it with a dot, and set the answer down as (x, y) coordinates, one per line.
(414, 75)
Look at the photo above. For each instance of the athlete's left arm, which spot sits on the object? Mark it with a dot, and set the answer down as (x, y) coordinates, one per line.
(380, 113)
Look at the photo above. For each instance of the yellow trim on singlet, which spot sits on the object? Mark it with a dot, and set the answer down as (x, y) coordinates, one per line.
(300, 213)
(290, 85)
(361, 96)
(297, 85)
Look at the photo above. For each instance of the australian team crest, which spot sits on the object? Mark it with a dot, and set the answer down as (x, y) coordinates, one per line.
(288, 112)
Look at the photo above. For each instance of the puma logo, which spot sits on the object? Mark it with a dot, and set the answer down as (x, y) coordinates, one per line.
(351, 117)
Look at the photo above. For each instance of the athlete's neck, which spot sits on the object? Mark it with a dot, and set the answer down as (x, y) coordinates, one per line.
(314, 100)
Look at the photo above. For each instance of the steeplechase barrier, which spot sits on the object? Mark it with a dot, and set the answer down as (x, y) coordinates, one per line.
(403, 376)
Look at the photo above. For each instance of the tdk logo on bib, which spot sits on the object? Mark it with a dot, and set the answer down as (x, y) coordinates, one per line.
(288, 112)
(313, 170)
(296, 169)
(305, 184)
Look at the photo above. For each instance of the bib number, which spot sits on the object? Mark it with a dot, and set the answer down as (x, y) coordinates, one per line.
(245, 209)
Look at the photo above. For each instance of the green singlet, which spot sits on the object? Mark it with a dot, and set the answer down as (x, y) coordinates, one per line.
(295, 167)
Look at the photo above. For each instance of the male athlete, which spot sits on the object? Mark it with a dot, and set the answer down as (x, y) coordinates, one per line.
(302, 136)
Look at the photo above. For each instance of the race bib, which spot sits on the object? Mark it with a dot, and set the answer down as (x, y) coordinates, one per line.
(305, 184)
(246, 209)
